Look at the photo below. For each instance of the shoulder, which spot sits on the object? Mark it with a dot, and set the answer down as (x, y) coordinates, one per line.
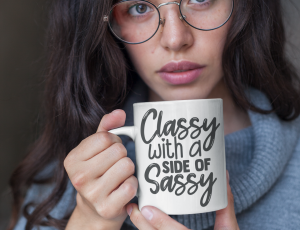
(279, 208)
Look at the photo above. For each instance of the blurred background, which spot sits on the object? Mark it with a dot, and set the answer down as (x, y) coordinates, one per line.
(22, 57)
(22, 29)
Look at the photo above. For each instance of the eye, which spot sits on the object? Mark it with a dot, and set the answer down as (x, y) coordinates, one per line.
(199, 1)
(139, 9)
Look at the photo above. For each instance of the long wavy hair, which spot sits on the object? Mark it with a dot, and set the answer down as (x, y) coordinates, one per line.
(90, 74)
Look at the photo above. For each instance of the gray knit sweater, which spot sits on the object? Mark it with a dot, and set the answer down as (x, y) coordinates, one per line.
(263, 161)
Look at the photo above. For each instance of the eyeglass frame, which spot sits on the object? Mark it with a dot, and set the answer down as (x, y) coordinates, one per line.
(161, 22)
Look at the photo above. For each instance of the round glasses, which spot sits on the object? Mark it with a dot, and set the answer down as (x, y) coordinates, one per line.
(136, 21)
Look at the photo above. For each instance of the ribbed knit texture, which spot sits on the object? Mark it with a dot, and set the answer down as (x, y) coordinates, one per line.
(263, 161)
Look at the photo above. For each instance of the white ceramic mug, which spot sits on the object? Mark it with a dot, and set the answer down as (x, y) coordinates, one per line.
(180, 155)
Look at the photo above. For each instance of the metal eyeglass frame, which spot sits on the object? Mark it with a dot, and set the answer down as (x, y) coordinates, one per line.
(161, 22)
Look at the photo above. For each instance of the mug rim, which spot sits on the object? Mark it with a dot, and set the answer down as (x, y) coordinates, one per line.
(176, 101)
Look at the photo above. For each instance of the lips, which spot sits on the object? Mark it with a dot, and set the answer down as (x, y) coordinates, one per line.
(179, 66)
(178, 73)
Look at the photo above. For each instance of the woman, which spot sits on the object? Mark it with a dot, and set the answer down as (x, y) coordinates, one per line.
(104, 58)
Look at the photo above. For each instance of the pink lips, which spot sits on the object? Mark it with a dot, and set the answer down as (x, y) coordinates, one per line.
(190, 73)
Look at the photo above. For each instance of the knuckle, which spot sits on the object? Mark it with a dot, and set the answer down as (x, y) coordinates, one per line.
(84, 143)
(119, 139)
(116, 138)
(78, 180)
(66, 163)
(101, 210)
(119, 149)
(69, 160)
(91, 195)
(134, 181)
(129, 188)
(105, 211)
(103, 138)
(128, 165)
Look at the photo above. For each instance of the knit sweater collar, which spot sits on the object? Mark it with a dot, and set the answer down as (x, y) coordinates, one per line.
(255, 156)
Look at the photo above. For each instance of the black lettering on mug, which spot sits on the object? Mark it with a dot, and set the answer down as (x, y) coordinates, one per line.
(144, 122)
(198, 148)
(164, 186)
(182, 185)
(211, 136)
(211, 182)
(154, 165)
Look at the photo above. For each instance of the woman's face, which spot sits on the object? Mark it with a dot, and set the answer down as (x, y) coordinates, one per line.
(176, 42)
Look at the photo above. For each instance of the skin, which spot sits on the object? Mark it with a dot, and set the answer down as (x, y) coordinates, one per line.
(99, 168)
(177, 41)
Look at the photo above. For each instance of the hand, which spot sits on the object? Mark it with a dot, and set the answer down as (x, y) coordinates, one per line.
(151, 218)
(102, 174)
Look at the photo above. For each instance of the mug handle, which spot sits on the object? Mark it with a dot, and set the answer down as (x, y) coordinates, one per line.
(128, 131)
(125, 130)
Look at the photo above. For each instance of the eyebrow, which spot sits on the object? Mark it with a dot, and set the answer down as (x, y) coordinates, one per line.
(152, 1)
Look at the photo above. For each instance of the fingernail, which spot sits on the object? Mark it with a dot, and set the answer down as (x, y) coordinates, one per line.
(129, 210)
(227, 176)
(147, 213)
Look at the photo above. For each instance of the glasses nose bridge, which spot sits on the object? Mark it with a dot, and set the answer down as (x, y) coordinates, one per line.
(162, 22)
(167, 3)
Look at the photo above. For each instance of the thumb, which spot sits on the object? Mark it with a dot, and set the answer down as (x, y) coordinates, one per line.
(112, 120)
(226, 218)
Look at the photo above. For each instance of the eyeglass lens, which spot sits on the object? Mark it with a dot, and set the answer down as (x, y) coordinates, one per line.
(136, 21)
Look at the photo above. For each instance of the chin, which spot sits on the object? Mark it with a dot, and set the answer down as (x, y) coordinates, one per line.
(200, 89)
(183, 95)
(196, 90)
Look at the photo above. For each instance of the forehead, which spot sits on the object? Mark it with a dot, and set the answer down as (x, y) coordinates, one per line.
(157, 2)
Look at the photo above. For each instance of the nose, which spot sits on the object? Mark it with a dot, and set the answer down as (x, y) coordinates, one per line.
(176, 34)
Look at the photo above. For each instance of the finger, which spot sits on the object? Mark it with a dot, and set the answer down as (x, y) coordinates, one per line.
(160, 220)
(112, 120)
(116, 175)
(226, 218)
(137, 218)
(123, 194)
(94, 144)
(100, 163)
(92, 169)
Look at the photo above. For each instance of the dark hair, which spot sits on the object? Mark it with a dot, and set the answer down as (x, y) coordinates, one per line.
(89, 74)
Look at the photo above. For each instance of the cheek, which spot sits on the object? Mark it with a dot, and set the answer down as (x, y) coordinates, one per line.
(214, 44)
(214, 50)
(211, 46)
(142, 57)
